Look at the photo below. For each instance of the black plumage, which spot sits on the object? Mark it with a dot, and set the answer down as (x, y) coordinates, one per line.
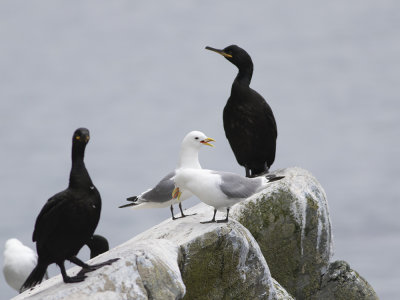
(68, 220)
(98, 245)
(249, 123)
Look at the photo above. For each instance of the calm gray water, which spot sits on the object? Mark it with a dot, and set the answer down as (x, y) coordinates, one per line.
(137, 75)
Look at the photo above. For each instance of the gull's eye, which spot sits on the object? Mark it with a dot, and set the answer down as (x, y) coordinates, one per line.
(196, 138)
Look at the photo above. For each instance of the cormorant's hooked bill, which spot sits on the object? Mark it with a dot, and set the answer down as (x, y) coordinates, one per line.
(219, 51)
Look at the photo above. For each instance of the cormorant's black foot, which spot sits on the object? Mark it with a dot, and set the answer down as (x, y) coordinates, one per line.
(78, 278)
(222, 221)
(97, 266)
(91, 268)
(207, 222)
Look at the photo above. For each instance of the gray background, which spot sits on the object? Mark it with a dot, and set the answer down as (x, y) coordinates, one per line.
(137, 75)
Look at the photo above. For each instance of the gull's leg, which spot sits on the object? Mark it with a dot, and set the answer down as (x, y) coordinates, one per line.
(212, 220)
(226, 219)
(172, 212)
(182, 214)
(247, 172)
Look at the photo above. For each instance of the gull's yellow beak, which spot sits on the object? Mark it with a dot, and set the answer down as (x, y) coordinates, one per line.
(176, 193)
(219, 52)
(207, 142)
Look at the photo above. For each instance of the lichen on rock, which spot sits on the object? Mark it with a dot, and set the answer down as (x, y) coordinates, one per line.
(219, 260)
(342, 283)
(290, 222)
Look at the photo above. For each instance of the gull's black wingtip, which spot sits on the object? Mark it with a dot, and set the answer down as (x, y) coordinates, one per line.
(132, 199)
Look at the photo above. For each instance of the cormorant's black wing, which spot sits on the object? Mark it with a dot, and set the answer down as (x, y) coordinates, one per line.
(50, 216)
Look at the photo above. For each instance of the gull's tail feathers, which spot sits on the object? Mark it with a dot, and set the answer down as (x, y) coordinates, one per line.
(272, 177)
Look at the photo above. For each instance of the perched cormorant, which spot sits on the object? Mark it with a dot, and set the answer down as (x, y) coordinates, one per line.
(160, 195)
(249, 123)
(68, 220)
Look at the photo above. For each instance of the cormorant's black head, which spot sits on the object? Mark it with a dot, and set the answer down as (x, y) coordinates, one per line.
(81, 136)
(235, 55)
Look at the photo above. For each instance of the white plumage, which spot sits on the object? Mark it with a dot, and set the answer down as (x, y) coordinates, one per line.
(160, 195)
(19, 261)
(220, 190)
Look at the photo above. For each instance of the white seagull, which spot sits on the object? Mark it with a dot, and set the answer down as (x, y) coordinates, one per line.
(220, 190)
(19, 261)
(161, 194)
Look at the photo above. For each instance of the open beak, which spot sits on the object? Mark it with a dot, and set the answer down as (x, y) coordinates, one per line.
(207, 142)
(176, 193)
(219, 52)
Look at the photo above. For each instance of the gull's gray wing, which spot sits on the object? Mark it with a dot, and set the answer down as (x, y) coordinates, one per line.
(236, 186)
(162, 192)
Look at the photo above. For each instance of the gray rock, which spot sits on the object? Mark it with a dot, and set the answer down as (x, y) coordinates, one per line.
(207, 261)
(218, 261)
(146, 270)
(343, 283)
(290, 222)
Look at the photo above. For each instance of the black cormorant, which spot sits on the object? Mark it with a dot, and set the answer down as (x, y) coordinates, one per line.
(68, 220)
(249, 123)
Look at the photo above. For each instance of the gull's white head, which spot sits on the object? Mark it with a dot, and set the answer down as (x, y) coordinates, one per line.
(190, 147)
(196, 139)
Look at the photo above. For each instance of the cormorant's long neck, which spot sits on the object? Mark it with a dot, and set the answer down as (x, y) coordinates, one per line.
(189, 158)
(243, 78)
(79, 176)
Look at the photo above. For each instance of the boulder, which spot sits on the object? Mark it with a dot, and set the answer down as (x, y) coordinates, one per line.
(205, 261)
(145, 270)
(290, 221)
(286, 225)
(343, 283)
(218, 260)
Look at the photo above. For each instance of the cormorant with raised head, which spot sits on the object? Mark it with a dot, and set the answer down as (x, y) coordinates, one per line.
(68, 220)
(249, 123)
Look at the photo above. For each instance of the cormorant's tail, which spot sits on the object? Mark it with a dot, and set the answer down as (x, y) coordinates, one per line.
(272, 177)
(35, 277)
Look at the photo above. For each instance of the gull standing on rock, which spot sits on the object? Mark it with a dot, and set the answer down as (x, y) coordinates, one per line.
(249, 123)
(160, 195)
(220, 190)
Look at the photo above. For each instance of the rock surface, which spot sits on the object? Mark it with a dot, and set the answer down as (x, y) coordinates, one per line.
(343, 283)
(290, 222)
(219, 260)
(145, 271)
(213, 261)
(286, 225)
